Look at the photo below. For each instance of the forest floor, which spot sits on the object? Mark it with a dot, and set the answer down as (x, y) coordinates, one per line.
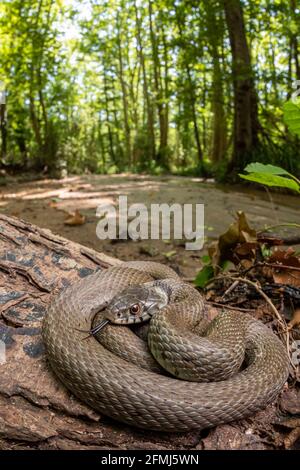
(48, 203)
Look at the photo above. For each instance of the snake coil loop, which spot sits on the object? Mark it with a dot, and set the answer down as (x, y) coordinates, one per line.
(120, 377)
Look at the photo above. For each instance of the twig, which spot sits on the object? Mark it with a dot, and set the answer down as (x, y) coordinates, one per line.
(271, 265)
(282, 323)
(215, 278)
(272, 227)
(267, 299)
(246, 271)
(287, 332)
(230, 289)
(279, 266)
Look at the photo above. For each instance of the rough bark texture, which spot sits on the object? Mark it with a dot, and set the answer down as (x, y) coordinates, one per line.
(147, 100)
(36, 411)
(191, 89)
(216, 34)
(246, 124)
(127, 130)
(162, 109)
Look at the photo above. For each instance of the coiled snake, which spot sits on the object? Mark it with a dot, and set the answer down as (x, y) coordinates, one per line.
(240, 363)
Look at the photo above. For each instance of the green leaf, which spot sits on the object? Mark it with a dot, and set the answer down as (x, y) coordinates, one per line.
(204, 276)
(206, 259)
(272, 180)
(265, 251)
(265, 169)
(291, 115)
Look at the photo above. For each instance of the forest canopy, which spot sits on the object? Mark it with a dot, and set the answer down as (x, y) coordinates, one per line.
(132, 85)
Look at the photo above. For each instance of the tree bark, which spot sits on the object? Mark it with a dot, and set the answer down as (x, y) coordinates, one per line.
(192, 94)
(108, 122)
(127, 130)
(246, 124)
(147, 100)
(219, 118)
(35, 58)
(294, 39)
(219, 136)
(161, 106)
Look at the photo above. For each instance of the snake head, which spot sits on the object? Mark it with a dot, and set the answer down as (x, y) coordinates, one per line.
(136, 304)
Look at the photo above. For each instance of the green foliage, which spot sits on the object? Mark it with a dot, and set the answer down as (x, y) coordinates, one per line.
(208, 271)
(291, 113)
(265, 169)
(274, 176)
(268, 175)
(85, 88)
(204, 275)
(271, 180)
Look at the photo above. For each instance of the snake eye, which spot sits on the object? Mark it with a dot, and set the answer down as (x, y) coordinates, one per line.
(134, 309)
(119, 314)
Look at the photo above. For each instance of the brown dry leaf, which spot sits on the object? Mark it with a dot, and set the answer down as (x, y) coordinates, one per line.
(290, 271)
(295, 321)
(246, 264)
(267, 272)
(75, 219)
(239, 239)
(238, 232)
(270, 241)
(247, 249)
(289, 277)
(283, 256)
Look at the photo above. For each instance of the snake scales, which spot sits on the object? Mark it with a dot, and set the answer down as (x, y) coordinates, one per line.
(119, 376)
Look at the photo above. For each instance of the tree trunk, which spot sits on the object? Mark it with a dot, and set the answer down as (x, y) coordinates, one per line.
(194, 113)
(219, 118)
(192, 94)
(127, 130)
(35, 123)
(33, 116)
(294, 39)
(108, 123)
(161, 106)
(147, 100)
(165, 132)
(219, 133)
(246, 124)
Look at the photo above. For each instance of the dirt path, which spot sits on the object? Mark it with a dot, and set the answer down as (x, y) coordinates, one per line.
(45, 203)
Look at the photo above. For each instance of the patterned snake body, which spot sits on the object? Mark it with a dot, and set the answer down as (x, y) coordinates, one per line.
(119, 376)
